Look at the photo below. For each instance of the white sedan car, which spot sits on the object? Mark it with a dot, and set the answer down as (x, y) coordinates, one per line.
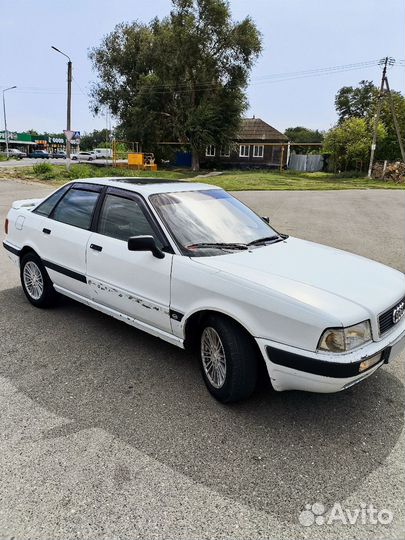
(84, 156)
(191, 264)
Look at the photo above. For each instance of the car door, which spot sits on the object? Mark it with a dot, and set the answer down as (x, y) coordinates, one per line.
(64, 236)
(133, 283)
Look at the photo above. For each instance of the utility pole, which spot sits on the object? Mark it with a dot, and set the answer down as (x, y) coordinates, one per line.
(69, 109)
(5, 118)
(377, 116)
(69, 104)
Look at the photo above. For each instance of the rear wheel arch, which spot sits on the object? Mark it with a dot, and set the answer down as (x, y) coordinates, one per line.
(25, 250)
(35, 281)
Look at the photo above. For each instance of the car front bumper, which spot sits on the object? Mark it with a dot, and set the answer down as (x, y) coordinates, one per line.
(290, 368)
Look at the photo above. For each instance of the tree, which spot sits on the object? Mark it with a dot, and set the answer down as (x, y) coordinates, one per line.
(304, 135)
(389, 148)
(356, 102)
(181, 78)
(361, 102)
(97, 138)
(349, 143)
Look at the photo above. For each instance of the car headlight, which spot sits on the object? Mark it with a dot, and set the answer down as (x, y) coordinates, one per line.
(345, 339)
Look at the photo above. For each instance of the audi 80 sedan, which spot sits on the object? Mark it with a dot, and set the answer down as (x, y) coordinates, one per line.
(194, 266)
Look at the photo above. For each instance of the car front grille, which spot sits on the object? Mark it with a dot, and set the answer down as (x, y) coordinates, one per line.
(386, 319)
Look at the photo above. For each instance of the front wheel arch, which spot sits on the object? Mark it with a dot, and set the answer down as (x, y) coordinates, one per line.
(194, 321)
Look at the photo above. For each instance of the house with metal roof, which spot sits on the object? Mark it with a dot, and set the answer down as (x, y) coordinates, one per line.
(257, 145)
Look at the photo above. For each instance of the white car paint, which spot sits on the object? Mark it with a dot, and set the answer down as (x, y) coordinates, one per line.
(285, 294)
(103, 153)
(84, 156)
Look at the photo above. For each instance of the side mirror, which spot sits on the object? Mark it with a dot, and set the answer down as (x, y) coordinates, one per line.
(266, 219)
(145, 243)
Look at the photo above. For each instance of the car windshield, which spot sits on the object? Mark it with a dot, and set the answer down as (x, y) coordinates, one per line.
(210, 222)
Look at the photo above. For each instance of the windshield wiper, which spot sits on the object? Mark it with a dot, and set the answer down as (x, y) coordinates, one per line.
(219, 245)
(272, 239)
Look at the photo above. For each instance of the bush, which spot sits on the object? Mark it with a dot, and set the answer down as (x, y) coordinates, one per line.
(42, 168)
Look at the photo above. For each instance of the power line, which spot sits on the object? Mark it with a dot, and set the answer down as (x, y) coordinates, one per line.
(265, 79)
(183, 88)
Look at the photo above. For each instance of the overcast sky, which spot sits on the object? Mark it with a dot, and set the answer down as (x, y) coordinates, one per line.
(299, 35)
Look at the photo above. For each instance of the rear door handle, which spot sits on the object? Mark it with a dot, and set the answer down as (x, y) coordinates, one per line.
(96, 247)
(46, 231)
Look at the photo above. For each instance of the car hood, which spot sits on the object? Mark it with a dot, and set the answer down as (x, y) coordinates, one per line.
(313, 274)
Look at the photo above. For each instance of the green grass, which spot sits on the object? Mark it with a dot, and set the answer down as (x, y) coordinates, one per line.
(229, 180)
(294, 181)
(41, 169)
(56, 174)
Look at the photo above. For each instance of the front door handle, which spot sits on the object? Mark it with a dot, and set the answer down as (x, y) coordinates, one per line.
(96, 247)
(46, 231)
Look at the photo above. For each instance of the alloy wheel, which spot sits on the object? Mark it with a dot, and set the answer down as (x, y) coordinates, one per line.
(213, 357)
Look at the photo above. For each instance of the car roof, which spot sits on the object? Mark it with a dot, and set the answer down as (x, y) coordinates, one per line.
(148, 186)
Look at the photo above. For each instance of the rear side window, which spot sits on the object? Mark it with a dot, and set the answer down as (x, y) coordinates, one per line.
(76, 208)
(46, 207)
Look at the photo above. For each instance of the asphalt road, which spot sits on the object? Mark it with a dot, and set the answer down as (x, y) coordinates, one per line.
(27, 162)
(106, 432)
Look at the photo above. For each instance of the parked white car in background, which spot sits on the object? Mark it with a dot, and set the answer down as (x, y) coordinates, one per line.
(103, 153)
(15, 153)
(84, 156)
(191, 264)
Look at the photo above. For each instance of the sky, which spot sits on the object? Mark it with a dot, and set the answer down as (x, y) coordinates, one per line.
(298, 35)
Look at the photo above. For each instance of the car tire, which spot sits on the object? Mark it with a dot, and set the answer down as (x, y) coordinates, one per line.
(36, 283)
(228, 359)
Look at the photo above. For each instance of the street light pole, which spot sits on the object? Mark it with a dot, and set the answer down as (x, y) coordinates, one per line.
(69, 103)
(5, 118)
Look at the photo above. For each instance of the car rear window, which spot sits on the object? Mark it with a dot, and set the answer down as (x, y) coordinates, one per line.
(76, 208)
(46, 207)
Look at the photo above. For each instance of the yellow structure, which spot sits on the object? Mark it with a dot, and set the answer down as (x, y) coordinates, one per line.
(136, 158)
(132, 160)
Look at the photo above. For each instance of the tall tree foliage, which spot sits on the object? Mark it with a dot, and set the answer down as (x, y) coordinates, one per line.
(96, 138)
(361, 102)
(182, 78)
(304, 135)
(349, 143)
(357, 101)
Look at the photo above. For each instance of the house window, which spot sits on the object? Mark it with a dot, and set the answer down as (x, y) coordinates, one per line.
(244, 150)
(225, 152)
(258, 151)
(210, 150)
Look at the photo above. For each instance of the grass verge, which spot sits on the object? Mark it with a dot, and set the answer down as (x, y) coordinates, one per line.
(231, 181)
(295, 181)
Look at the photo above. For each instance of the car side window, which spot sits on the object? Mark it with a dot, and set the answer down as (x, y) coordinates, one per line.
(46, 207)
(121, 218)
(76, 208)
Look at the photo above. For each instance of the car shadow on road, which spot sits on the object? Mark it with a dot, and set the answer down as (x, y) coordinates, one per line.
(274, 452)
